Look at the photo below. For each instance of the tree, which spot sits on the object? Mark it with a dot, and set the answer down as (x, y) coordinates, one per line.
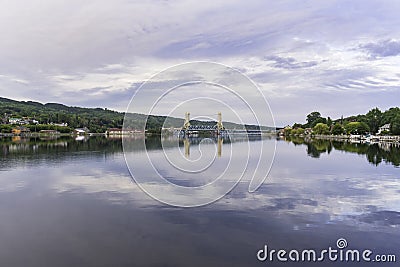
(389, 115)
(319, 120)
(300, 131)
(329, 121)
(297, 131)
(297, 125)
(395, 125)
(357, 127)
(6, 128)
(338, 129)
(312, 117)
(374, 119)
(287, 131)
(321, 128)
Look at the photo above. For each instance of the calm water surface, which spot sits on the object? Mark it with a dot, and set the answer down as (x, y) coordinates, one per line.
(73, 203)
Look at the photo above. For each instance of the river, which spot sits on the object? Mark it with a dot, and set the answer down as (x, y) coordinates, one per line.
(67, 202)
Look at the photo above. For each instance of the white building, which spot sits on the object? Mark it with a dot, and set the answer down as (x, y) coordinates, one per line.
(60, 124)
(81, 131)
(384, 128)
(14, 121)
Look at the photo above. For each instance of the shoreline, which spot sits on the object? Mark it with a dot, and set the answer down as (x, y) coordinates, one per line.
(371, 139)
(393, 139)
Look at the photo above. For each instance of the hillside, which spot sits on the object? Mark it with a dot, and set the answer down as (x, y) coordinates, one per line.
(96, 119)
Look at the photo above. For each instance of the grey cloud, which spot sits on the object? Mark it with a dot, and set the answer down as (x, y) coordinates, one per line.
(290, 62)
(219, 44)
(385, 48)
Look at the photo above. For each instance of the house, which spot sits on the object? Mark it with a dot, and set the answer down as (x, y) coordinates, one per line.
(20, 130)
(384, 128)
(22, 121)
(114, 131)
(307, 131)
(280, 131)
(14, 120)
(63, 124)
(81, 131)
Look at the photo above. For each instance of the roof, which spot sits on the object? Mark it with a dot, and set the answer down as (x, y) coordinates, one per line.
(22, 129)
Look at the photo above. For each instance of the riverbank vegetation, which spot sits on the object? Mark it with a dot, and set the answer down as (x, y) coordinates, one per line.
(373, 122)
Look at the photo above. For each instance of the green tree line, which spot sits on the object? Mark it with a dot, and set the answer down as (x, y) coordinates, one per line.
(359, 124)
(97, 120)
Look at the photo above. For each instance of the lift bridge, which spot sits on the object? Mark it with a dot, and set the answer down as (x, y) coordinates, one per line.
(190, 133)
(193, 130)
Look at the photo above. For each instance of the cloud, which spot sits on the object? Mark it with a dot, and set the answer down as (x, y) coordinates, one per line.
(385, 48)
(289, 62)
(11, 78)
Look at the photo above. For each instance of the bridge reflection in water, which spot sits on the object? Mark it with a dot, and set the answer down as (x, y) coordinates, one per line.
(187, 141)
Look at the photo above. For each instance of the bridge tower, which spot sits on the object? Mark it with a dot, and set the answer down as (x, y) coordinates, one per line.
(186, 125)
(220, 126)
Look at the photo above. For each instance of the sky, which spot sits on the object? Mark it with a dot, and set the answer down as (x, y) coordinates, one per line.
(336, 57)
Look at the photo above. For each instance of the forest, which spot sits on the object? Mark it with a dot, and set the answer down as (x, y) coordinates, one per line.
(97, 120)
